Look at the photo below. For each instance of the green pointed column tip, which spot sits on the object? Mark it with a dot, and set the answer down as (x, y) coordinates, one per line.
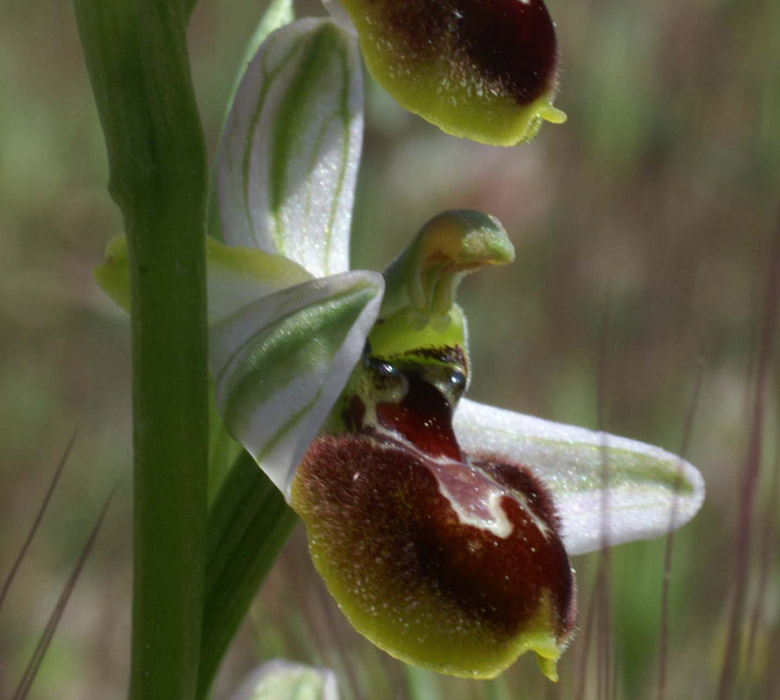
(421, 283)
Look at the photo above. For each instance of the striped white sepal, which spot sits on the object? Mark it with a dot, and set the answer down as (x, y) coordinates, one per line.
(291, 146)
(281, 363)
(645, 484)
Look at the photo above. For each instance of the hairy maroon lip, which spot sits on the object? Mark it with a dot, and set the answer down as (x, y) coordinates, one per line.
(510, 43)
(383, 508)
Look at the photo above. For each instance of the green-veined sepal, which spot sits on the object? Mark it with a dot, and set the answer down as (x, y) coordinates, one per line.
(277, 14)
(281, 363)
(290, 151)
(646, 486)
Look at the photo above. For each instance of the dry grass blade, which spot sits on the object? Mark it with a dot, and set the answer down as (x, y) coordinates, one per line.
(36, 523)
(586, 633)
(765, 563)
(751, 470)
(773, 675)
(664, 636)
(603, 602)
(51, 626)
(599, 614)
(604, 629)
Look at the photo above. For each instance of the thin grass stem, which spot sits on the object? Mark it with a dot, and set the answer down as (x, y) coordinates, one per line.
(766, 555)
(31, 672)
(603, 607)
(38, 518)
(664, 635)
(582, 681)
(751, 471)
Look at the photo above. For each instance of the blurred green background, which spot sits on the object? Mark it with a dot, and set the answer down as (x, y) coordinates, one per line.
(660, 193)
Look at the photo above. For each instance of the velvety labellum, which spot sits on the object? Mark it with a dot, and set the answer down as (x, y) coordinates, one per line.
(407, 547)
(483, 69)
(446, 561)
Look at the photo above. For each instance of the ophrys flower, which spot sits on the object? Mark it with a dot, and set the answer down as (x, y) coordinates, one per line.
(442, 527)
(485, 70)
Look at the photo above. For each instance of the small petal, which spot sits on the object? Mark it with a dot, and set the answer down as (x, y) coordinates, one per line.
(645, 484)
(289, 156)
(235, 276)
(482, 69)
(113, 274)
(284, 680)
(281, 363)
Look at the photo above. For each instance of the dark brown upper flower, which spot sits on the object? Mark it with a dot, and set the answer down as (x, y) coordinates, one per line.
(483, 69)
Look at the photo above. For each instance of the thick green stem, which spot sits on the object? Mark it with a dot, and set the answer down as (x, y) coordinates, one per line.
(137, 60)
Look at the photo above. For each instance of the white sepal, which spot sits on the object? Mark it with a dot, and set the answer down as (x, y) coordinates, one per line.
(288, 161)
(284, 680)
(646, 486)
(281, 363)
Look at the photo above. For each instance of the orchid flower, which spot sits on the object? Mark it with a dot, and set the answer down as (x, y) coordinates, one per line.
(487, 71)
(442, 527)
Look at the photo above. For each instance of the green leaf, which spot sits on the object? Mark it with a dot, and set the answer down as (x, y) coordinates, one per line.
(223, 449)
(648, 490)
(281, 363)
(248, 525)
(289, 156)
